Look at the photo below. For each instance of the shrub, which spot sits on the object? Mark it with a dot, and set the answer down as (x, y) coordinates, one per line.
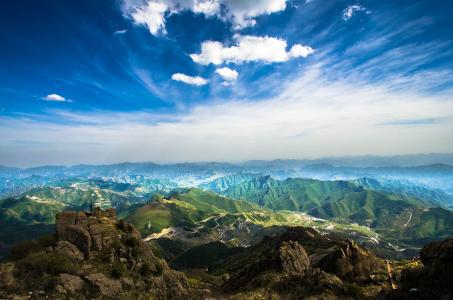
(43, 263)
(47, 241)
(159, 268)
(23, 249)
(145, 270)
(131, 241)
(353, 290)
(118, 270)
(122, 225)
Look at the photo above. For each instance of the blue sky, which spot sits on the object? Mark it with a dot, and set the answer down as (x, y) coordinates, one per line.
(227, 80)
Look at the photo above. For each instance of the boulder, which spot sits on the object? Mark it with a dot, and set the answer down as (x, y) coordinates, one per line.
(96, 229)
(350, 261)
(97, 242)
(68, 249)
(294, 259)
(177, 285)
(81, 219)
(92, 221)
(109, 213)
(71, 283)
(105, 286)
(63, 220)
(439, 251)
(79, 236)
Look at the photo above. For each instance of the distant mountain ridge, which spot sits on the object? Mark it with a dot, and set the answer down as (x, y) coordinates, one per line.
(365, 161)
(401, 217)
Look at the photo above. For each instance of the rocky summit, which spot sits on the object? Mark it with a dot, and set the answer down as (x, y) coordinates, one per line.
(91, 255)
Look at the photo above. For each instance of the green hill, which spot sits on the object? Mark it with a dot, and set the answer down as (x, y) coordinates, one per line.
(184, 208)
(397, 216)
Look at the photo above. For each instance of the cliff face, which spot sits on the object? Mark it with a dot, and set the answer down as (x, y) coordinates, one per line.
(92, 255)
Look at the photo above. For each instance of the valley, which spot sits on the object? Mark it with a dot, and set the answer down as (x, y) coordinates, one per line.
(222, 219)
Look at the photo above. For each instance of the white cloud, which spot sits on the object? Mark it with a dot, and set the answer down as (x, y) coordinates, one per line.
(122, 31)
(311, 117)
(54, 97)
(227, 74)
(243, 13)
(249, 48)
(349, 11)
(152, 15)
(240, 13)
(206, 7)
(192, 80)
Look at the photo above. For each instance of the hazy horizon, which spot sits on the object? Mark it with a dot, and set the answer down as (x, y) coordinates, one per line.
(426, 159)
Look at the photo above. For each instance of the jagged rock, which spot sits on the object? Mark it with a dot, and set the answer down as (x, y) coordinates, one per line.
(110, 213)
(294, 258)
(440, 251)
(350, 261)
(96, 229)
(71, 283)
(93, 244)
(6, 275)
(97, 242)
(79, 236)
(127, 282)
(68, 249)
(107, 287)
(92, 221)
(81, 219)
(63, 220)
(177, 285)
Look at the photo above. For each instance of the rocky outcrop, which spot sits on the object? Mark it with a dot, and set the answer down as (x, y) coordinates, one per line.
(433, 279)
(95, 256)
(349, 261)
(299, 264)
(440, 251)
(86, 230)
(104, 286)
(80, 237)
(69, 250)
(63, 220)
(70, 283)
(294, 259)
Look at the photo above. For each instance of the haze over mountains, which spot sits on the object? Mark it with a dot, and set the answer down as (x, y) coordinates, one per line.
(214, 215)
(403, 206)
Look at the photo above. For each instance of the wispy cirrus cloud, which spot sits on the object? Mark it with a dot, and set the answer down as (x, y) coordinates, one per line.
(349, 11)
(339, 117)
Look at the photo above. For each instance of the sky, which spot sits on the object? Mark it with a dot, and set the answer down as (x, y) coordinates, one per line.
(109, 81)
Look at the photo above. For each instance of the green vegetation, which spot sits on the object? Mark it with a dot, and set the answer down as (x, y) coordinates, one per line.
(183, 209)
(396, 216)
(203, 255)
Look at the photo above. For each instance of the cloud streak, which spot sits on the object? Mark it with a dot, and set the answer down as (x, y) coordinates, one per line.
(192, 80)
(54, 98)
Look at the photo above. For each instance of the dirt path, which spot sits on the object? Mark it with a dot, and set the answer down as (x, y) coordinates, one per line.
(407, 223)
(389, 271)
